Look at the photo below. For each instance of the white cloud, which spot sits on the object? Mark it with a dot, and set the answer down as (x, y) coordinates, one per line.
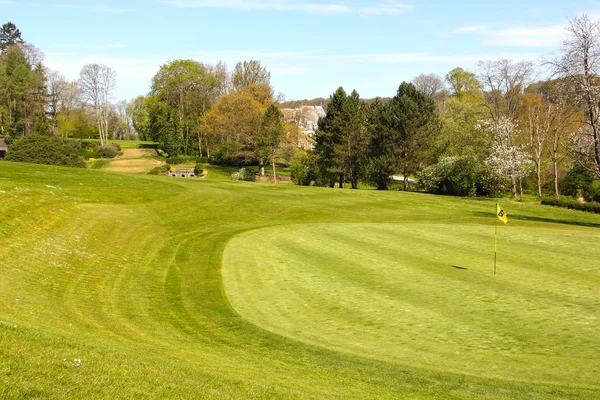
(548, 36)
(470, 28)
(386, 7)
(110, 46)
(235, 56)
(518, 36)
(287, 71)
(94, 8)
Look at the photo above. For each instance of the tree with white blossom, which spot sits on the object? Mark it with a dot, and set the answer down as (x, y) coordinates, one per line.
(506, 158)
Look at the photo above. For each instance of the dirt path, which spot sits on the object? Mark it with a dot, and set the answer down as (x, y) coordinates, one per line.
(134, 161)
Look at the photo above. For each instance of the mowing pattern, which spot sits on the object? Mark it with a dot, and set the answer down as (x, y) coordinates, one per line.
(111, 287)
(423, 295)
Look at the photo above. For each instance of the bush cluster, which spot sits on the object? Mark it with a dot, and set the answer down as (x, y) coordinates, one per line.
(243, 175)
(109, 150)
(456, 176)
(581, 182)
(230, 154)
(199, 169)
(303, 170)
(573, 204)
(45, 149)
(181, 160)
(160, 170)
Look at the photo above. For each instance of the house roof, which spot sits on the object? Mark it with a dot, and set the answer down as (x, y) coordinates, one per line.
(3, 146)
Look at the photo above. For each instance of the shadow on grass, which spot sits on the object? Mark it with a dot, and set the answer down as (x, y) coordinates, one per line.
(458, 267)
(531, 218)
(148, 146)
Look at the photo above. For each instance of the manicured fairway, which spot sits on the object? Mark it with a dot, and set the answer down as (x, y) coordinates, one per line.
(111, 286)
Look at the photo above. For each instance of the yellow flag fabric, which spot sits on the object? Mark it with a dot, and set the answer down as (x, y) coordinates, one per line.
(501, 214)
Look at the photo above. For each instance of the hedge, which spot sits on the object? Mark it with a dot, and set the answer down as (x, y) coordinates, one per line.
(573, 204)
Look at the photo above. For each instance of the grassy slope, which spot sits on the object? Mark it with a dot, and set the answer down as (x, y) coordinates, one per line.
(123, 273)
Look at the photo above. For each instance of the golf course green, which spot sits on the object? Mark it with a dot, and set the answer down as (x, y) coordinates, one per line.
(135, 286)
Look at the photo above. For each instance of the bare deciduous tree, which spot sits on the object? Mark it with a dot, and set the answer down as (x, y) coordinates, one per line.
(429, 84)
(579, 66)
(504, 82)
(56, 84)
(97, 83)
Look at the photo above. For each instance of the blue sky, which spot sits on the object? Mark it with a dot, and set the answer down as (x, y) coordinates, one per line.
(311, 47)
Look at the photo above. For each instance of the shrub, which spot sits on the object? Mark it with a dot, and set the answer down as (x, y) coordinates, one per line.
(161, 153)
(87, 154)
(160, 170)
(199, 169)
(303, 170)
(45, 149)
(108, 150)
(573, 204)
(457, 176)
(577, 180)
(117, 145)
(181, 160)
(243, 175)
(232, 154)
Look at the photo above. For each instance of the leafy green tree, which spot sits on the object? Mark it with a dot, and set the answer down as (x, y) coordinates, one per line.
(463, 84)
(415, 126)
(329, 136)
(163, 125)
(269, 137)
(186, 89)
(249, 72)
(459, 136)
(235, 121)
(9, 35)
(351, 151)
(22, 93)
(382, 151)
(137, 110)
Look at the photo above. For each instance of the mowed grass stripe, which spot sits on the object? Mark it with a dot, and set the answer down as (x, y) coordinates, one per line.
(142, 304)
(396, 297)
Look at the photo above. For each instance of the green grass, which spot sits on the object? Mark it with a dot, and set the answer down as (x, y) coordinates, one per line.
(99, 164)
(125, 144)
(422, 294)
(125, 273)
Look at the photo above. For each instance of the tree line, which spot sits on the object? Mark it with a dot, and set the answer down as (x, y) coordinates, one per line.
(473, 133)
(491, 130)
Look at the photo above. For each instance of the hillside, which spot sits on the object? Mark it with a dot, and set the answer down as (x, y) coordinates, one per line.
(137, 286)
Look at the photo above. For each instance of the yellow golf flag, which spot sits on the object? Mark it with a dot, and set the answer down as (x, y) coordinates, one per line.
(501, 214)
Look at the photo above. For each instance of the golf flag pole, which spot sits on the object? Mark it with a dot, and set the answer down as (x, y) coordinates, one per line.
(504, 218)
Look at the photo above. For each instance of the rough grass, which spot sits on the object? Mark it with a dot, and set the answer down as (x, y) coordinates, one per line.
(111, 287)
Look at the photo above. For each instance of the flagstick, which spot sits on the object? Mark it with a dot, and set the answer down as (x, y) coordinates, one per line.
(495, 242)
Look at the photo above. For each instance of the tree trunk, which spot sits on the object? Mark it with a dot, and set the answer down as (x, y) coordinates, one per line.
(513, 181)
(200, 144)
(539, 177)
(274, 171)
(520, 187)
(556, 192)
